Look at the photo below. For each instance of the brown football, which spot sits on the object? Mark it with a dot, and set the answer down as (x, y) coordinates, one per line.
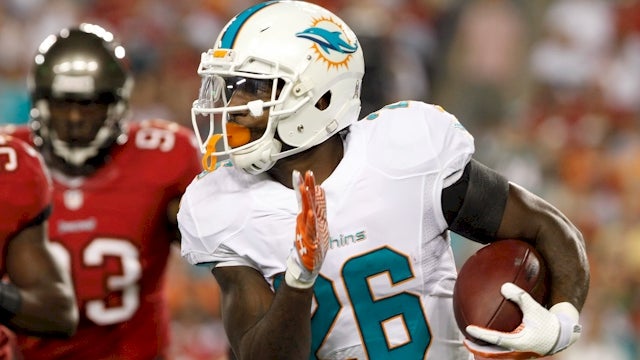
(476, 296)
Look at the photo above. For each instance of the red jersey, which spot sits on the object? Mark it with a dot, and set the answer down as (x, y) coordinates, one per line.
(25, 188)
(25, 194)
(111, 229)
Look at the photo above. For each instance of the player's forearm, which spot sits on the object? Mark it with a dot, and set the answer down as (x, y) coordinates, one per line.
(561, 244)
(563, 247)
(47, 311)
(285, 330)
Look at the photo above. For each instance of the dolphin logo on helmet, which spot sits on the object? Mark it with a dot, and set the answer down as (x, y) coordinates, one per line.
(328, 40)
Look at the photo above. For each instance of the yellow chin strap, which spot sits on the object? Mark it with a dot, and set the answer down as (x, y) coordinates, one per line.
(237, 135)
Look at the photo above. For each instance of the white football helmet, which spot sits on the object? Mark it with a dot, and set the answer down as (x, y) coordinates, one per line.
(304, 53)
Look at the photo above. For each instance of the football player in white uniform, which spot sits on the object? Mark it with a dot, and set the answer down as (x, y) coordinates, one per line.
(329, 236)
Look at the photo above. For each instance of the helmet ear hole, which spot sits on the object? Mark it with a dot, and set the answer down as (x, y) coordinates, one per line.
(324, 101)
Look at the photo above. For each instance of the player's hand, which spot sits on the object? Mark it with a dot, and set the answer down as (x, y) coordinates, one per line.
(312, 232)
(542, 331)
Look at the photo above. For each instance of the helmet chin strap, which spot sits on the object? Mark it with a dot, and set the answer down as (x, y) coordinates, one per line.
(259, 159)
(263, 157)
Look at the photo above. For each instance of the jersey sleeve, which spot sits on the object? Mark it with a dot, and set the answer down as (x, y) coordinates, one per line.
(192, 249)
(205, 228)
(196, 251)
(453, 143)
(26, 188)
(416, 139)
(218, 216)
(410, 138)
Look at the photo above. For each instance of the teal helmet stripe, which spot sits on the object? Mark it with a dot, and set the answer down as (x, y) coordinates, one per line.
(229, 37)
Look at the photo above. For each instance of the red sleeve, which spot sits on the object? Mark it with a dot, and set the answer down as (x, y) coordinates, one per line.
(191, 158)
(26, 186)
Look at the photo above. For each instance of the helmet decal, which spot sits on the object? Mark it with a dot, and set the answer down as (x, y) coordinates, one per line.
(329, 42)
(231, 33)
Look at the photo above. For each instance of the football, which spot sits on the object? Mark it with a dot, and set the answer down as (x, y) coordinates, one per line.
(476, 296)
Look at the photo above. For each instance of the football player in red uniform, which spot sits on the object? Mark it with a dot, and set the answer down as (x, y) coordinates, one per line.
(38, 297)
(117, 186)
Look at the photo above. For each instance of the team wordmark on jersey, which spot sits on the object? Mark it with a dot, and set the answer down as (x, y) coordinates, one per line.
(345, 240)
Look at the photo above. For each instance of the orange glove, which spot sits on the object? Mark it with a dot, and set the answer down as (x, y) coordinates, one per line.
(312, 232)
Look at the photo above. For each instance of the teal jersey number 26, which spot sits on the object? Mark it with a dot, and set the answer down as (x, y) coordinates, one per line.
(371, 313)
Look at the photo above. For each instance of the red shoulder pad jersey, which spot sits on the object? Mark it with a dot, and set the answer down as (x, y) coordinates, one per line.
(25, 188)
(111, 229)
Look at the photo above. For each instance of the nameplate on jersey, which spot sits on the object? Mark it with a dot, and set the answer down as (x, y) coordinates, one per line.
(76, 226)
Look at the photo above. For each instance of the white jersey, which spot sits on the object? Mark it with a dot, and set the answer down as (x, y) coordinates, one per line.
(385, 288)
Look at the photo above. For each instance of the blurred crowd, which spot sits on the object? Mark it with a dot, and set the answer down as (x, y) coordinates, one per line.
(550, 89)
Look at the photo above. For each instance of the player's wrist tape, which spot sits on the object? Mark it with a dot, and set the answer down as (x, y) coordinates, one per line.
(297, 277)
(10, 301)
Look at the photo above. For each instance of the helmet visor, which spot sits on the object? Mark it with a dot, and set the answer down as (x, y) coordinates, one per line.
(221, 100)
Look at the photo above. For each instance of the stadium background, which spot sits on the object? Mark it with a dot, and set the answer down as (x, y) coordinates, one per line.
(550, 89)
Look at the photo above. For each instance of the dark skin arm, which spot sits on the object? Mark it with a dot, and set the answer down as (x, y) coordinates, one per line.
(531, 218)
(48, 299)
(259, 323)
(172, 218)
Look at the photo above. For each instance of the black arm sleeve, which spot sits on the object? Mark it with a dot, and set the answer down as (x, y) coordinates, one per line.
(473, 205)
(10, 301)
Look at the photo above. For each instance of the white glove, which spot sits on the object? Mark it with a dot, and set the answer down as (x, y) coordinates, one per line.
(312, 233)
(542, 332)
